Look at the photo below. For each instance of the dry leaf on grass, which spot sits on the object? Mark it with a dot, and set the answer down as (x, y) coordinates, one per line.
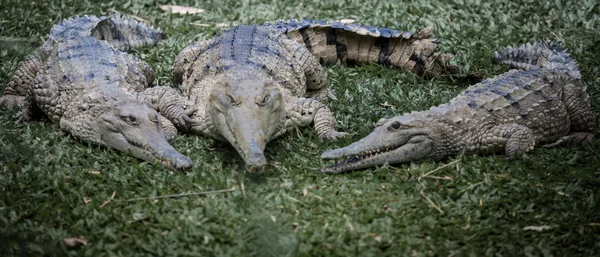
(386, 104)
(181, 9)
(349, 225)
(200, 24)
(378, 238)
(75, 241)
(108, 201)
(218, 25)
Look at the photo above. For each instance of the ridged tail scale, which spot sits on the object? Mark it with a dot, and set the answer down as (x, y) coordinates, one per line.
(541, 54)
(354, 43)
(120, 32)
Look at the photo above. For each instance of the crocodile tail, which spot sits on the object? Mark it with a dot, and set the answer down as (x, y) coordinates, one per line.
(75, 27)
(125, 33)
(121, 32)
(354, 43)
(541, 54)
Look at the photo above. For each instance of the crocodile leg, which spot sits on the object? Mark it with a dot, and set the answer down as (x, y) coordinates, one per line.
(186, 57)
(167, 127)
(516, 139)
(181, 70)
(41, 93)
(316, 81)
(31, 111)
(22, 82)
(169, 103)
(583, 120)
(305, 111)
(146, 69)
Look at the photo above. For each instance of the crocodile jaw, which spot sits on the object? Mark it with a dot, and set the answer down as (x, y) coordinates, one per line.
(158, 150)
(247, 114)
(380, 147)
(245, 135)
(135, 128)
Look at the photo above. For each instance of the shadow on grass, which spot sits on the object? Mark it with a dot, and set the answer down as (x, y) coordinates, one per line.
(13, 245)
(267, 238)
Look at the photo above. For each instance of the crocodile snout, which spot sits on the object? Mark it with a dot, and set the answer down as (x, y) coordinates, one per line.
(170, 157)
(182, 162)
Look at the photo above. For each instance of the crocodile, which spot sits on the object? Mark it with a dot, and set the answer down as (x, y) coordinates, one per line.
(541, 101)
(81, 79)
(252, 83)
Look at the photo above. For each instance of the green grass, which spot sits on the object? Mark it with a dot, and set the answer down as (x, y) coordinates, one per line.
(293, 209)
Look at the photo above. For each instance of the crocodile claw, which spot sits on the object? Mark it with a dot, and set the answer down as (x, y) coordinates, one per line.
(182, 121)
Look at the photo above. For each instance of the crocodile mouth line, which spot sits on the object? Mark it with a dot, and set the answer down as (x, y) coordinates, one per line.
(148, 152)
(345, 160)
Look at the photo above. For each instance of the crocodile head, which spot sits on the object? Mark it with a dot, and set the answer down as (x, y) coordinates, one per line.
(136, 128)
(247, 114)
(397, 140)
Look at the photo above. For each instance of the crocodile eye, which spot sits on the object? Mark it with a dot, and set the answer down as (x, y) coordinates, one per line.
(394, 126)
(153, 118)
(263, 100)
(130, 119)
(233, 100)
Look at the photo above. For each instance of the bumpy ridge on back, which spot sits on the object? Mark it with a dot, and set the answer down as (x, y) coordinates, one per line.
(541, 54)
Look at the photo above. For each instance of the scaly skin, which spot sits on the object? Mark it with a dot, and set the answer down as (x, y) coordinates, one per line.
(544, 102)
(252, 83)
(100, 94)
